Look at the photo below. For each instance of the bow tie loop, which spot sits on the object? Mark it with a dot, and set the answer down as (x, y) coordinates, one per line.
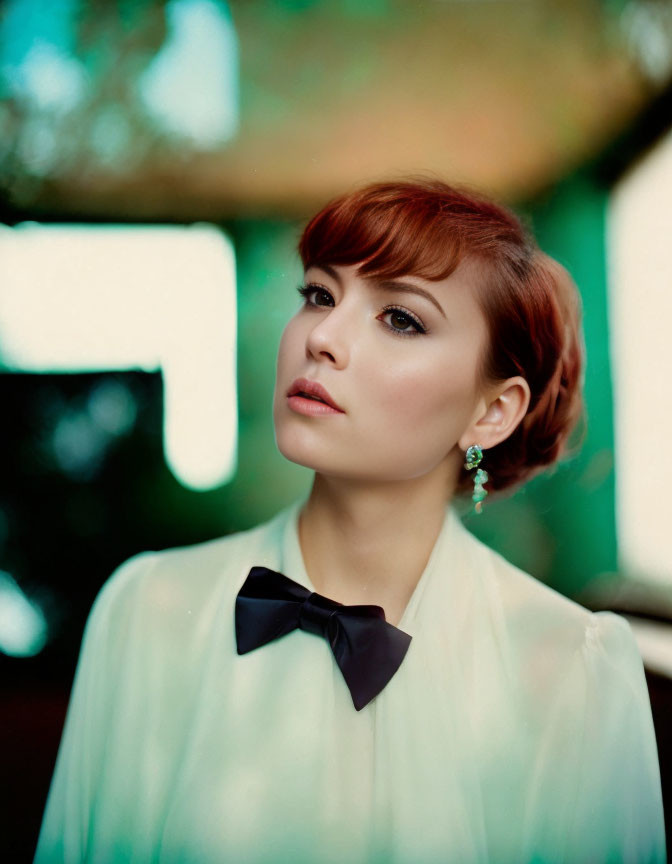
(367, 648)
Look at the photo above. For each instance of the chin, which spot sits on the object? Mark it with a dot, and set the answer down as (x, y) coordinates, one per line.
(298, 451)
(295, 452)
(286, 440)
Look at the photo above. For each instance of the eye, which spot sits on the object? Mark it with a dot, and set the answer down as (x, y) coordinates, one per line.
(408, 317)
(306, 290)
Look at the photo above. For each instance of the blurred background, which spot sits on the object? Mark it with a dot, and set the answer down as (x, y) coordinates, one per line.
(157, 163)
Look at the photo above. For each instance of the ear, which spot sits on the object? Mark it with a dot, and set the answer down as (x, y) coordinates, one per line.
(498, 414)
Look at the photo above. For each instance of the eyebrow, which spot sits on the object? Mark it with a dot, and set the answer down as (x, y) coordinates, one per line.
(388, 284)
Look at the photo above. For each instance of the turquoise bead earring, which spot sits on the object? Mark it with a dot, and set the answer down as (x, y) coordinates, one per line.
(473, 457)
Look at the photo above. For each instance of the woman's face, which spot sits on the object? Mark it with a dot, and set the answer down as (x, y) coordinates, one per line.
(407, 395)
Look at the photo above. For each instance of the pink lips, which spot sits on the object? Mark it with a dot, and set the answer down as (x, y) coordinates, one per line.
(310, 407)
(299, 398)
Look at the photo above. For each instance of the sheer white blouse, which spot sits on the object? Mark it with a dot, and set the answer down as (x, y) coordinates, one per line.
(517, 729)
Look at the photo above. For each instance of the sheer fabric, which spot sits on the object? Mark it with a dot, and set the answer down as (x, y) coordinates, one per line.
(517, 729)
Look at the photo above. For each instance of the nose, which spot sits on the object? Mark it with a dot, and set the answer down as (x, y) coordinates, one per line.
(329, 339)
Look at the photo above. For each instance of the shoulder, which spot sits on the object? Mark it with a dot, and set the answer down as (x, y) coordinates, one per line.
(566, 689)
(171, 589)
(546, 633)
(524, 598)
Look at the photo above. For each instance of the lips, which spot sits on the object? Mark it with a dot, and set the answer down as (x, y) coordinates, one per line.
(312, 389)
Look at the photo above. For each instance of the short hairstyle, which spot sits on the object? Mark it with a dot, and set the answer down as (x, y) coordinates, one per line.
(425, 227)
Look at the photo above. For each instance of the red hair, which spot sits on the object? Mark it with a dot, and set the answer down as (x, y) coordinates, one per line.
(533, 310)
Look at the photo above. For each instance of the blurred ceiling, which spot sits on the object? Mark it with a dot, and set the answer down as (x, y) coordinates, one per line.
(508, 95)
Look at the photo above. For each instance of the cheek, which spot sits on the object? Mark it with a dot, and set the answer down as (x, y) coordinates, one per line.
(282, 370)
(424, 394)
(288, 343)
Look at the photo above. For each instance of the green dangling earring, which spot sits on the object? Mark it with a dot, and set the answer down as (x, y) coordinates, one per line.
(473, 457)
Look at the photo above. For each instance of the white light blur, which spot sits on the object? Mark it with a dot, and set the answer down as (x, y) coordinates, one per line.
(38, 63)
(23, 629)
(79, 446)
(49, 78)
(191, 86)
(640, 289)
(76, 298)
(112, 407)
(647, 25)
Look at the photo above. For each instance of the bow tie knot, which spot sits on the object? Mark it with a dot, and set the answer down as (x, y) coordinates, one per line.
(316, 614)
(367, 649)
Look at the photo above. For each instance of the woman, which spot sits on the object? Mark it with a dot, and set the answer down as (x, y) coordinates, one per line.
(360, 679)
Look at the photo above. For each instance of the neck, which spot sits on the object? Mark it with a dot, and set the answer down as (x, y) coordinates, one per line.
(368, 543)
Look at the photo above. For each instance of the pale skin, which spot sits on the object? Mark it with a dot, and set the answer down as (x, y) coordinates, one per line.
(386, 468)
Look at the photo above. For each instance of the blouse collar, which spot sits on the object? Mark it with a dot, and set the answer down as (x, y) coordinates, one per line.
(293, 565)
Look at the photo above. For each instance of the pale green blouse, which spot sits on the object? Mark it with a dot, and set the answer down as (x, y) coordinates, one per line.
(517, 729)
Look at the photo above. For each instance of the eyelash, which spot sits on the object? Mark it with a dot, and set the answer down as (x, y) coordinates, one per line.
(306, 290)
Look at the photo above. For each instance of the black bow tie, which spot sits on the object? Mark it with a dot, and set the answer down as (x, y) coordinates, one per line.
(366, 647)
